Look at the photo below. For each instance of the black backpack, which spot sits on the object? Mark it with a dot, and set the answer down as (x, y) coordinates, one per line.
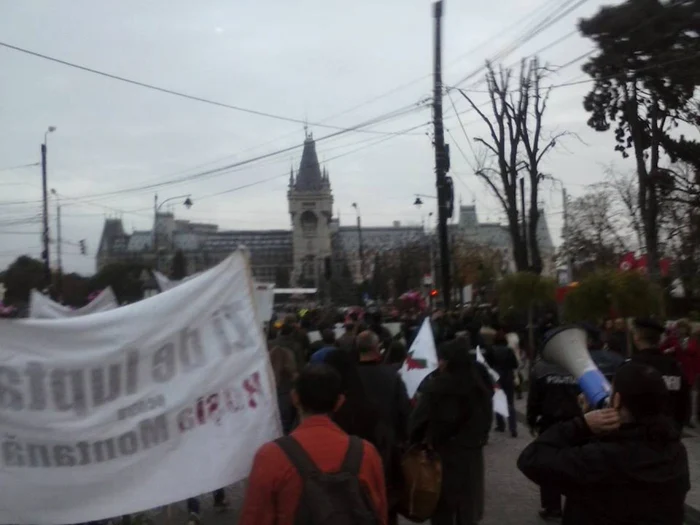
(334, 498)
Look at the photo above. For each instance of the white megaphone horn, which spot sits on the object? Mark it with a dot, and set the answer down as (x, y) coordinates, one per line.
(566, 346)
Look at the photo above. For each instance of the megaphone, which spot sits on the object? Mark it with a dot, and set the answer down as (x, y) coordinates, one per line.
(566, 346)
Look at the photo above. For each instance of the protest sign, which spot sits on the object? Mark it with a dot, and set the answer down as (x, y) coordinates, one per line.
(421, 359)
(42, 307)
(147, 404)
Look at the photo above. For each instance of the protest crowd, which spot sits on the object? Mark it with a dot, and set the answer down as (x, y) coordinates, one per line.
(620, 464)
(384, 415)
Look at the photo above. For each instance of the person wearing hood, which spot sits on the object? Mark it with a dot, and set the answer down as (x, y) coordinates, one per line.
(454, 414)
(623, 464)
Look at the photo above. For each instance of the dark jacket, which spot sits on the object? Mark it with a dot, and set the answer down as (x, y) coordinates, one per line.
(502, 359)
(553, 395)
(455, 416)
(288, 413)
(623, 477)
(346, 342)
(385, 388)
(292, 342)
(677, 386)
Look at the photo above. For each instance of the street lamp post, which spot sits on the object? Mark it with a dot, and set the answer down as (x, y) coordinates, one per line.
(45, 197)
(156, 207)
(359, 235)
(418, 203)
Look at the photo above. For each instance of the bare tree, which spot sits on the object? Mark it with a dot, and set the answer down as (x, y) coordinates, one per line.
(595, 236)
(516, 143)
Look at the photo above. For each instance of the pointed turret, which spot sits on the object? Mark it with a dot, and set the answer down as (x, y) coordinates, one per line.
(291, 176)
(309, 177)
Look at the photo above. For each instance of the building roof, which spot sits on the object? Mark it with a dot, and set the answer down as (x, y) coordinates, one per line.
(309, 177)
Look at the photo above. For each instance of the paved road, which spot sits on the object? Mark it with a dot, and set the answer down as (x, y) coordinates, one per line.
(510, 498)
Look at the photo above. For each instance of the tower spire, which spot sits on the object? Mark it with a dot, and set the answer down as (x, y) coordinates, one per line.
(291, 176)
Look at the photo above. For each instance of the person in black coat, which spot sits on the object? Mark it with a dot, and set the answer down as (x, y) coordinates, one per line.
(624, 464)
(647, 335)
(502, 359)
(552, 398)
(454, 415)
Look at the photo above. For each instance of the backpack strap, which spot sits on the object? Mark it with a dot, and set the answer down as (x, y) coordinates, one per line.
(297, 456)
(353, 457)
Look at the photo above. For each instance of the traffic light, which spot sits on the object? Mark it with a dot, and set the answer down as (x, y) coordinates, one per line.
(83, 249)
(433, 293)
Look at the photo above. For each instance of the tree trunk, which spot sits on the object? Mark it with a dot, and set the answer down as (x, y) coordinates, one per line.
(534, 244)
(531, 332)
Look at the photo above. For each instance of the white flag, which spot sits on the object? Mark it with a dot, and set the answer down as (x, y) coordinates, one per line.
(500, 401)
(422, 359)
(42, 307)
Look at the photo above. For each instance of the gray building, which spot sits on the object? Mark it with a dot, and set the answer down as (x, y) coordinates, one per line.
(316, 248)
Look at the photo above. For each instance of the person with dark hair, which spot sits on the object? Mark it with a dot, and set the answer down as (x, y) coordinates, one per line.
(623, 464)
(396, 354)
(503, 360)
(647, 336)
(346, 342)
(454, 416)
(276, 488)
(284, 368)
(387, 391)
(288, 337)
(607, 361)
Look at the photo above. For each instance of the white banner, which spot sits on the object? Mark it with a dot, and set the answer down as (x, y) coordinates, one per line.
(43, 307)
(263, 294)
(141, 406)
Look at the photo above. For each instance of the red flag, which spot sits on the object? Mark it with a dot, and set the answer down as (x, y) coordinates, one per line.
(642, 264)
(628, 262)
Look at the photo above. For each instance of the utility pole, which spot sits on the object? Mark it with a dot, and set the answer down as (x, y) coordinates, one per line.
(441, 159)
(45, 237)
(522, 205)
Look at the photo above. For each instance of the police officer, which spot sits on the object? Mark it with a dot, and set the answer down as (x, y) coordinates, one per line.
(646, 336)
(553, 397)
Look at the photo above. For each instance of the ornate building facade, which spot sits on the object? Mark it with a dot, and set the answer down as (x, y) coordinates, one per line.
(314, 252)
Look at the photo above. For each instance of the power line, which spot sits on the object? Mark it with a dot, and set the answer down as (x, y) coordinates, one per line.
(563, 10)
(612, 77)
(177, 93)
(21, 166)
(225, 169)
(286, 174)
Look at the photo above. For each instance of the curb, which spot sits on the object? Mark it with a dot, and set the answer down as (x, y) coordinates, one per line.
(692, 515)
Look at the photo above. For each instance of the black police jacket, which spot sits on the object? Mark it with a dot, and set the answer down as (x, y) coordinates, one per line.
(677, 386)
(626, 477)
(552, 397)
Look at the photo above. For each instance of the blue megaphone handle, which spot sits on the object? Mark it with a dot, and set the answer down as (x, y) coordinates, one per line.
(595, 387)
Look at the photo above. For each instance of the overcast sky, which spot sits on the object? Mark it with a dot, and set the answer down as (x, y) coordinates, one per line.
(302, 59)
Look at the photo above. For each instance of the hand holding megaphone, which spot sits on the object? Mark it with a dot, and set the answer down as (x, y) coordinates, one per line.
(566, 346)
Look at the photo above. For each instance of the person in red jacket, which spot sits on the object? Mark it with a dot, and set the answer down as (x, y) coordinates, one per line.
(275, 486)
